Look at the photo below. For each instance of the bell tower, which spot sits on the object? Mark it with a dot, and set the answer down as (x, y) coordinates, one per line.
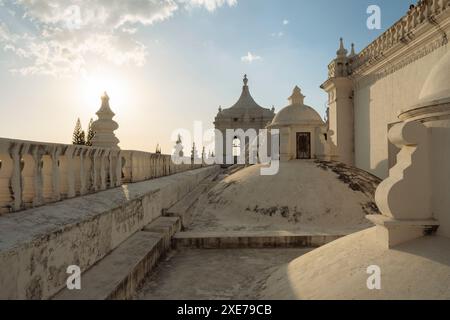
(340, 102)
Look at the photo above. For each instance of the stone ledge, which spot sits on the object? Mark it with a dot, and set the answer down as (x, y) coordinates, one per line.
(263, 239)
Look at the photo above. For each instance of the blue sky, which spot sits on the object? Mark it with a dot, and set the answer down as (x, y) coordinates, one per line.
(168, 65)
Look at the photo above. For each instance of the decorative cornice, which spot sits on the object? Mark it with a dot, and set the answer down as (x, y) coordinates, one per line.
(427, 13)
(388, 67)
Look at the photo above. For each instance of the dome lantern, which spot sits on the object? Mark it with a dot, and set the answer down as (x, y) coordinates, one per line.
(297, 98)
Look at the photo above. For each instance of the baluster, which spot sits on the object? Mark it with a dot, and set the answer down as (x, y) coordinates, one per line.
(95, 169)
(421, 13)
(37, 175)
(27, 176)
(56, 173)
(126, 166)
(66, 170)
(6, 170)
(83, 170)
(16, 183)
(47, 178)
(103, 169)
(434, 7)
(118, 169)
(111, 167)
(76, 166)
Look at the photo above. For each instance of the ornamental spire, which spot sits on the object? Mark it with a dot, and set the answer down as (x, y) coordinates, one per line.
(352, 53)
(105, 126)
(297, 98)
(245, 80)
(342, 52)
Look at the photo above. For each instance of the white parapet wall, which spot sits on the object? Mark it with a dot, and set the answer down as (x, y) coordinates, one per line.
(37, 245)
(37, 173)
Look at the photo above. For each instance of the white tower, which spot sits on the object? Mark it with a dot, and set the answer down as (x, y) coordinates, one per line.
(105, 126)
(340, 102)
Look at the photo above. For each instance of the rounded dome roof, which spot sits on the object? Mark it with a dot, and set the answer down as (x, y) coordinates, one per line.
(297, 112)
(247, 200)
(436, 86)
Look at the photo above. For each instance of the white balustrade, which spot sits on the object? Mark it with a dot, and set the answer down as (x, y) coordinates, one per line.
(37, 173)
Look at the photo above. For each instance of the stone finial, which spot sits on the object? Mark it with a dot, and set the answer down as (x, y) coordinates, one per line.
(352, 52)
(404, 198)
(405, 194)
(297, 97)
(245, 80)
(105, 126)
(342, 52)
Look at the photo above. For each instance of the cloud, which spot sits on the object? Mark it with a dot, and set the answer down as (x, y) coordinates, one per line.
(67, 34)
(250, 58)
(285, 22)
(277, 34)
(210, 5)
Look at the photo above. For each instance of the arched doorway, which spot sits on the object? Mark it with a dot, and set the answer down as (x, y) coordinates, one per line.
(236, 149)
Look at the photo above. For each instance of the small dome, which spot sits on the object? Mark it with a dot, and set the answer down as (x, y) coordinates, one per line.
(297, 112)
(437, 86)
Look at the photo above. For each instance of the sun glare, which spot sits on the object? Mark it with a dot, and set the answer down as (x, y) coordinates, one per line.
(96, 84)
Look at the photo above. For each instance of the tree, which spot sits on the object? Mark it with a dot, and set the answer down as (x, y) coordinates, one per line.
(90, 134)
(194, 153)
(78, 137)
(203, 153)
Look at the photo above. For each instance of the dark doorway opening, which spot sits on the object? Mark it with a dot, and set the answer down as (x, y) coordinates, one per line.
(303, 145)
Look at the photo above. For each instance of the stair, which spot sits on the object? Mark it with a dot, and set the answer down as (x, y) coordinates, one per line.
(182, 208)
(118, 274)
(253, 240)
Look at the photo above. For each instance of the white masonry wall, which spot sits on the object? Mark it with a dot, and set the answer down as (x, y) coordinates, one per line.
(377, 103)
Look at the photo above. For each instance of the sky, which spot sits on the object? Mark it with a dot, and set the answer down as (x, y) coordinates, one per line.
(166, 63)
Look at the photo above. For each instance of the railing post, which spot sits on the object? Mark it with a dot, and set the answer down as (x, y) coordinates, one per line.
(71, 172)
(55, 154)
(118, 169)
(16, 177)
(6, 170)
(82, 173)
(37, 154)
(103, 155)
(111, 170)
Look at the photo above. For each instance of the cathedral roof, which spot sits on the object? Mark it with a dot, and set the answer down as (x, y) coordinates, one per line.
(297, 112)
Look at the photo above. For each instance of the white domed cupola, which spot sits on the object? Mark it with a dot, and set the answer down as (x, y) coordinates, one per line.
(297, 112)
(303, 133)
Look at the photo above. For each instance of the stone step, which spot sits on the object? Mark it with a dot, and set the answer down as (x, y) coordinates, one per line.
(254, 240)
(167, 226)
(182, 207)
(119, 274)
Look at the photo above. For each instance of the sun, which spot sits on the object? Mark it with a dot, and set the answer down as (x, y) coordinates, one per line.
(96, 84)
